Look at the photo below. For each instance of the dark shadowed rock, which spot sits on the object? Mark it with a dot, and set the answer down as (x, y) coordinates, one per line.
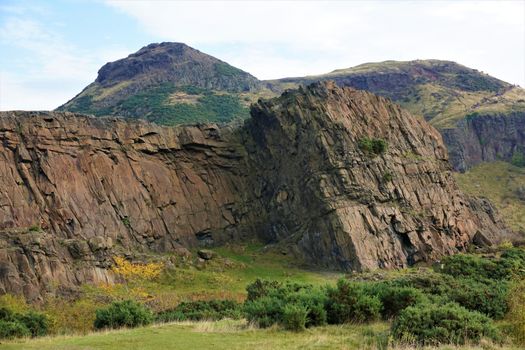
(206, 254)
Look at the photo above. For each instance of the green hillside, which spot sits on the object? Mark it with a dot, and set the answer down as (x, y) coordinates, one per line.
(168, 83)
(441, 91)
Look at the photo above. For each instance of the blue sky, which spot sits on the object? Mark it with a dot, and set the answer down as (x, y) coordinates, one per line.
(50, 50)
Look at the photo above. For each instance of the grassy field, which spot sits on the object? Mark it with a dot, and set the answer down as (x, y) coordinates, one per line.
(227, 334)
(503, 184)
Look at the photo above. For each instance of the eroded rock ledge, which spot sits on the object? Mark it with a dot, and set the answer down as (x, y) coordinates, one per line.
(76, 190)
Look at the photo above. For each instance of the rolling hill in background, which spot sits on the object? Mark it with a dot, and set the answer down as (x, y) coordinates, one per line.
(168, 83)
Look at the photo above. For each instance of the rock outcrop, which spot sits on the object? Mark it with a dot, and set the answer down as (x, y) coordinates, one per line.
(485, 138)
(76, 190)
(341, 206)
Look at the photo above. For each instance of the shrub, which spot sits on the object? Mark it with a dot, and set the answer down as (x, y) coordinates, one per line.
(13, 329)
(487, 297)
(373, 146)
(126, 313)
(518, 159)
(432, 324)
(264, 311)
(35, 322)
(463, 265)
(14, 303)
(313, 300)
(267, 301)
(512, 261)
(294, 317)
(349, 302)
(395, 299)
(430, 283)
(202, 310)
(261, 288)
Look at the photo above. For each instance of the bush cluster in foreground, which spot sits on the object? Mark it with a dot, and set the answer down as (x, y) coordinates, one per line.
(455, 304)
(16, 325)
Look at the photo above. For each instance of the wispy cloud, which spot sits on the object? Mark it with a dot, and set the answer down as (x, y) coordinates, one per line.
(42, 65)
(48, 70)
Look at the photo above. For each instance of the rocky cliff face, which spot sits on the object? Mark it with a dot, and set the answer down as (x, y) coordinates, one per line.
(485, 138)
(339, 205)
(76, 190)
(447, 95)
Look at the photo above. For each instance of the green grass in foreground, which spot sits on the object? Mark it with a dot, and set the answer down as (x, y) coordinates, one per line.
(226, 334)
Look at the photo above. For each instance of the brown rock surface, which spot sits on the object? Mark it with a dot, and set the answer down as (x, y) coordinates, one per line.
(77, 190)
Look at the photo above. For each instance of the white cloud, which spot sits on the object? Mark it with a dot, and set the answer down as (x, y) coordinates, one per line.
(268, 39)
(321, 36)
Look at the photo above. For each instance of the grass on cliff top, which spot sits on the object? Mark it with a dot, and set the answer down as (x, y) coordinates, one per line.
(228, 334)
(503, 184)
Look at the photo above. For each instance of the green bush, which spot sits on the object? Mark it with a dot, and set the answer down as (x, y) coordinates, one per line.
(428, 283)
(484, 295)
(512, 261)
(350, 302)
(36, 324)
(261, 288)
(518, 159)
(267, 301)
(487, 297)
(373, 146)
(119, 314)
(13, 329)
(463, 265)
(294, 317)
(313, 300)
(202, 310)
(432, 324)
(395, 299)
(264, 311)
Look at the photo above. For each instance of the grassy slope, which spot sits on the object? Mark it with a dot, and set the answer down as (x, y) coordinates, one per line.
(223, 277)
(228, 275)
(499, 182)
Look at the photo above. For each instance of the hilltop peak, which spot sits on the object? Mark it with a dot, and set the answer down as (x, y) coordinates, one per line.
(167, 82)
(176, 63)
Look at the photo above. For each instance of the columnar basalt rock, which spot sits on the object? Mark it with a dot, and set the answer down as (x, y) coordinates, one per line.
(340, 205)
(76, 190)
(485, 138)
